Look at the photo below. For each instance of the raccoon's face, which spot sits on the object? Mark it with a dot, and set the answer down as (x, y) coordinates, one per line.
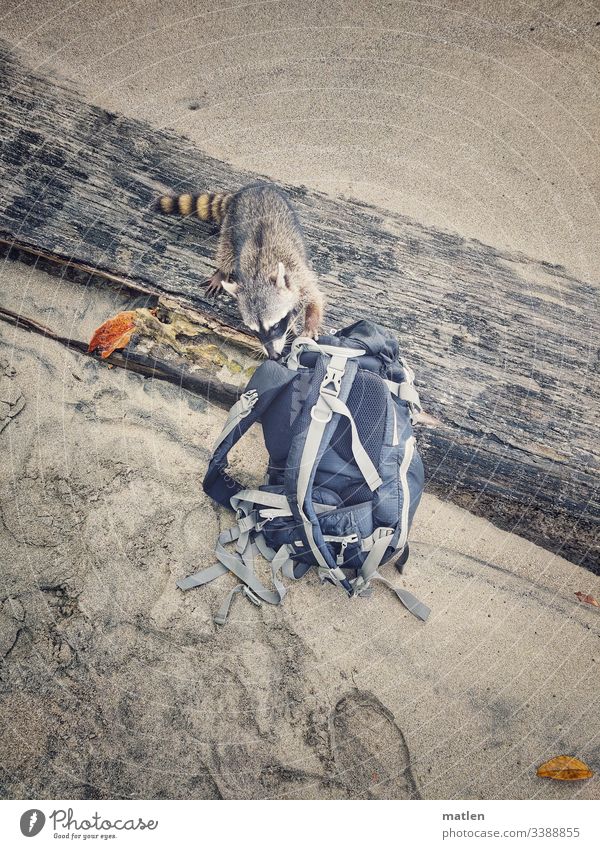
(268, 308)
(273, 336)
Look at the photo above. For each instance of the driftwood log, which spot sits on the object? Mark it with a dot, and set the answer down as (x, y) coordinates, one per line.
(505, 347)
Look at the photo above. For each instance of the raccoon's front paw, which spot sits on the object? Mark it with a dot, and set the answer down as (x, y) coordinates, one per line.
(214, 285)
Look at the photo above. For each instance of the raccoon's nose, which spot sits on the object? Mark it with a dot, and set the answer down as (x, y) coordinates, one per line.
(272, 354)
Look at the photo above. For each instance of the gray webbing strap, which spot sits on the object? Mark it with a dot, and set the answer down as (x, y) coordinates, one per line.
(263, 548)
(276, 512)
(281, 559)
(201, 578)
(320, 417)
(305, 343)
(369, 573)
(247, 523)
(416, 607)
(242, 407)
(205, 576)
(335, 576)
(287, 570)
(374, 557)
(363, 461)
(257, 496)
(407, 392)
(198, 579)
(240, 564)
(222, 613)
(367, 543)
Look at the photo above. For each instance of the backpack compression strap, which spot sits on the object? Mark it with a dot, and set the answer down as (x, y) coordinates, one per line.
(249, 543)
(406, 392)
(369, 572)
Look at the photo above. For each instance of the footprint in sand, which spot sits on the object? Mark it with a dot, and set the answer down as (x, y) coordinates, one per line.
(371, 756)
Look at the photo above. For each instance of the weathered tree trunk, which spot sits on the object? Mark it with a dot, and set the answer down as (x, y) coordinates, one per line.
(505, 347)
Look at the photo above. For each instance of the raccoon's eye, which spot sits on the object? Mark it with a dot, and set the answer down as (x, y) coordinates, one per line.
(281, 326)
(278, 329)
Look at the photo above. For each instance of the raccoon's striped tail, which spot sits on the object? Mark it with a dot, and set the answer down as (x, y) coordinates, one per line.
(208, 206)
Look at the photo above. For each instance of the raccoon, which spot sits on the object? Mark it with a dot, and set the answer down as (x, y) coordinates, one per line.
(262, 261)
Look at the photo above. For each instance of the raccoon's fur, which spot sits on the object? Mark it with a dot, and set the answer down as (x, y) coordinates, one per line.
(262, 260)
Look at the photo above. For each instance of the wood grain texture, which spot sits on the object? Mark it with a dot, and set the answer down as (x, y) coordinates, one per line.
(505, 347)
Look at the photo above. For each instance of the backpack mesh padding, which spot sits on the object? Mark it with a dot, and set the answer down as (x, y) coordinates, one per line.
(276, 425)
(367, 402)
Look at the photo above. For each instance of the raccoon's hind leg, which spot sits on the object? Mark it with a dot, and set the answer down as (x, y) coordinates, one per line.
(225, 264)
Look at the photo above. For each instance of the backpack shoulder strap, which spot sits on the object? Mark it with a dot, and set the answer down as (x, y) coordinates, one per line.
(266, 383)
(333, 377)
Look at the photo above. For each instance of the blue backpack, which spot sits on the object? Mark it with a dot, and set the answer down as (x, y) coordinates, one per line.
(344, 476)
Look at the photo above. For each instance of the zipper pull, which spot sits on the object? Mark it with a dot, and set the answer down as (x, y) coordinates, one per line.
(340, 558)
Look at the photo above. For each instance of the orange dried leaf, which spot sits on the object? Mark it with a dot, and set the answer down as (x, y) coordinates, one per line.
(565, 768)
(587, 599)
(113, 334)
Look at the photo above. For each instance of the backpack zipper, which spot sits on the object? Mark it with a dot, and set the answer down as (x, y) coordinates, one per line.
(340, 558)
(344, 542)
(404, 466)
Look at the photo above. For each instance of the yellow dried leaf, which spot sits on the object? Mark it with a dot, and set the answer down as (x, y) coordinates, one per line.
(113, 334)
(587, 599)
(565, 768)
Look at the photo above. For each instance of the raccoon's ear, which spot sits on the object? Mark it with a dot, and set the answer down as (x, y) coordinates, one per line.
(230, 287)
(279, 277)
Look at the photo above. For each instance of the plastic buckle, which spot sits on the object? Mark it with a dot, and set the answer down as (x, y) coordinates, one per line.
(260, 525)
(333, 376)
(248, 400)
(251, 596)
(324, 576)
(361, 588)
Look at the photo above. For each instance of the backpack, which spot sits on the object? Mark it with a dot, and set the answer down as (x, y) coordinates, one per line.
(344, 477)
